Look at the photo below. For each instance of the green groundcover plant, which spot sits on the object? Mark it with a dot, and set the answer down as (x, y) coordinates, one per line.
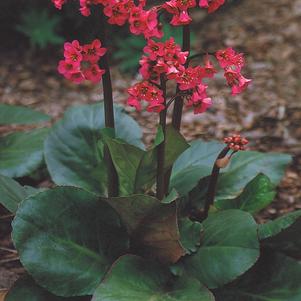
(174, 222)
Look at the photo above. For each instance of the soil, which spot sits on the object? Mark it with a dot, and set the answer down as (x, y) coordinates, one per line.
(268, 114)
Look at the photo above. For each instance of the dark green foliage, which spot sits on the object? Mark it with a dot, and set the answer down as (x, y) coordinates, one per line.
(40, 28)
(70, 240)
(20, 115)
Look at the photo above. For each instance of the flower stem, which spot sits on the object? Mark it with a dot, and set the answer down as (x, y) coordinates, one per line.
(210, 195)
(178, 107)
(199, 55)
(109, 113)
(161, 191)
(178, 102)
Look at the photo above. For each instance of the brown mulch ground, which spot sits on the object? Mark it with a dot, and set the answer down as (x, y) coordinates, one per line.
(269, 113)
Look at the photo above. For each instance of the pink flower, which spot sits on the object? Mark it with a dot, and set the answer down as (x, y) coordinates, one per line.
(199, 99)
(155, 106)
(202, 106)
(66, 68)
(181, 19)
(228, 57)
(59, 3)
(92, 52)
(179, 10)
(145, 91)
(76, 77)
(212, 5)
(237, 81)
(164, 57)
(189, 79)
(118, 12)
(73, 53)
(134, 102)
(144, 22)
(93, 73)
(154, 49)
(81, 62)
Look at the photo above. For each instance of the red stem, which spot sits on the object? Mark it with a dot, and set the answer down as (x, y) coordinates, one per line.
(178, 106)
(178, 103)
(161, 147)
(109, 112)
(213, 182)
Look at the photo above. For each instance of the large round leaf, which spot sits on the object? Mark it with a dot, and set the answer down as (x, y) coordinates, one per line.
(195, 163)
(190, 233)
(274, 278)
(152, 225)
(245, 166)
(283, 234)
(257, 195)
(67, 239)
(135, 279)
(228, 249)
(21, 153)
(25, 289)
(20, 115)
(72, 150)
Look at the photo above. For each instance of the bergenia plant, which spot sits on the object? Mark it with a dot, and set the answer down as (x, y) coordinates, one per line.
(174, 222)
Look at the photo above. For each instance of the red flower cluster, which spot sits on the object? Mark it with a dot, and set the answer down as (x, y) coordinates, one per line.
(167, 58)
(144, 91)
(232, 63)
(163, 57)
(143, 21)
(191, 80)
(81, 62)
(236, 142)
(179, 10)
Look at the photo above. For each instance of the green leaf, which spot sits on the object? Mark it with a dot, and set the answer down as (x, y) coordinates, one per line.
(67, 239)
(137, 168)
(40, 27)
(12, 193)
(228, 249)
(134, 209)
(244, 166)
(135, 279)
(171, 197)
(283, 234)
(21, 153)
(190, 233)
(20, 115)
(72, 150)
(195, 163)
(175, 146)
(152, 225)
(273, 228)
(126, 160)
(26, 289)
(274, 278)
(257, 195)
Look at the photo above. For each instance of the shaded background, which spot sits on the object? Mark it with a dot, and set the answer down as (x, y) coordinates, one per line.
(268, 113)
